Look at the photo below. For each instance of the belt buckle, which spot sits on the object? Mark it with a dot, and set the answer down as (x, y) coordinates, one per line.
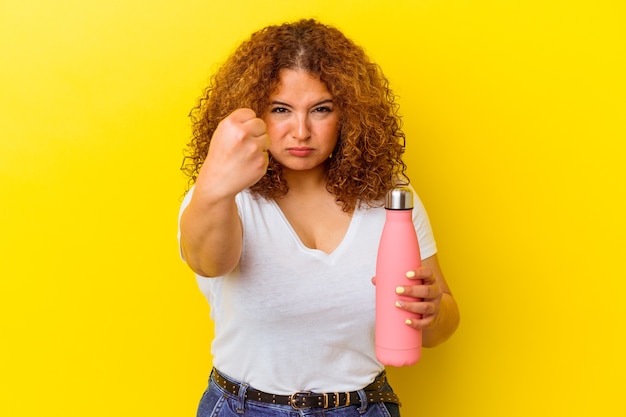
(293, 401)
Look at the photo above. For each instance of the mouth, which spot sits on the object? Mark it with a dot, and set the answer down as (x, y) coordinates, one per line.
(300, 151)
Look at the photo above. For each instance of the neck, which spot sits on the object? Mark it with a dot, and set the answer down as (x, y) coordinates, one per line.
(305, 180)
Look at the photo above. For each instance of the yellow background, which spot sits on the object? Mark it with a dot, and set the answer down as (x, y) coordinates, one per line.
(514, 112)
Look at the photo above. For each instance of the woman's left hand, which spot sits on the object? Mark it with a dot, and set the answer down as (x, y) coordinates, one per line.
(427, 295)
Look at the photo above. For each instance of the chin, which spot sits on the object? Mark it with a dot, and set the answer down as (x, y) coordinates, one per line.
(299, 164)
(303, 166)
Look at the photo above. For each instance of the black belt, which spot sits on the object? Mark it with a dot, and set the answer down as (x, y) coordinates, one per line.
(307, 399)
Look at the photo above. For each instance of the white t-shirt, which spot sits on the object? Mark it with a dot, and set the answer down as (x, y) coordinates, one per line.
(290, 318)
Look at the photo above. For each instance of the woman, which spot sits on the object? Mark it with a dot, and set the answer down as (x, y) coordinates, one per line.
(296, 141)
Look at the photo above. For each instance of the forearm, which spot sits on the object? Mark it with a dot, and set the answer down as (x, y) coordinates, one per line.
(445, 323)
(211, 236)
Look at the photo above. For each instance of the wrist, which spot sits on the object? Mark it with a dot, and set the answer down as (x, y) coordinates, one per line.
(444, 324)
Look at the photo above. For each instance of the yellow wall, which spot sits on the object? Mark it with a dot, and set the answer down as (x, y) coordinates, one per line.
(515, 117)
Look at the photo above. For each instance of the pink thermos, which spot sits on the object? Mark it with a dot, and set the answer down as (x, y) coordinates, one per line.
(397, 344)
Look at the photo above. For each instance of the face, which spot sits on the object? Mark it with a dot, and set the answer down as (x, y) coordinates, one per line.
(302, 122)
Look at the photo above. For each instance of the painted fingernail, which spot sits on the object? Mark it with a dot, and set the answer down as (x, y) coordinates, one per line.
(399, 303)
(399, 290)
(408, 321)
(410, 274)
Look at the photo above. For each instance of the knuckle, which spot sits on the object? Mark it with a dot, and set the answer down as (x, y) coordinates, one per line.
(428, 308)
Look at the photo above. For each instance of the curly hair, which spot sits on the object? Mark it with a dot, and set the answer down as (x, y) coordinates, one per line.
(367, 160)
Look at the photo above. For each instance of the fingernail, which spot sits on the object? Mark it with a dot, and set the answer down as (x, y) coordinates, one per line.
(410, 274)
(399, 290)
(408, 321)
(399, 303)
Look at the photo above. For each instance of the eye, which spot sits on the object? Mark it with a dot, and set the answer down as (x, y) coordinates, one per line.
(279, 110)
(322, 109)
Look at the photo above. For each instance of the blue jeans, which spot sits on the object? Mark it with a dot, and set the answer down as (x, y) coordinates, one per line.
(218, 403)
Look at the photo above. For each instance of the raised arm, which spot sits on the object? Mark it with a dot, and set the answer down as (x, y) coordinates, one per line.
(210, 227)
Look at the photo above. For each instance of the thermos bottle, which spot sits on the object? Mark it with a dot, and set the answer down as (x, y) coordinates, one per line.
(397, 344)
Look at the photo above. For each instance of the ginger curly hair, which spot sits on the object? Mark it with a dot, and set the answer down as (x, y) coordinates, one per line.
(367, 160)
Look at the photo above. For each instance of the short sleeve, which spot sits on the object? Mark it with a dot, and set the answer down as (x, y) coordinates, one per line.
(183, 206)
(425, 237)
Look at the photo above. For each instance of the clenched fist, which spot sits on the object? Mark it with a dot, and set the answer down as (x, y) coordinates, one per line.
(237, 156)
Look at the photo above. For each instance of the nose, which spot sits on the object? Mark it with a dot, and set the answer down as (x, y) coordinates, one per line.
(301, 129)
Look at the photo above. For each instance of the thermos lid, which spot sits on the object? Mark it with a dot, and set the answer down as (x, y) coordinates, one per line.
(400, 198)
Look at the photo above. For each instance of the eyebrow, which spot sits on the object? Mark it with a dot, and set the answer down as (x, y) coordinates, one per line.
(319, 103)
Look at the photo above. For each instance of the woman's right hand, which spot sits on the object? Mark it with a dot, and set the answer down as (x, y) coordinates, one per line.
(237, 157)
(211, 230)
